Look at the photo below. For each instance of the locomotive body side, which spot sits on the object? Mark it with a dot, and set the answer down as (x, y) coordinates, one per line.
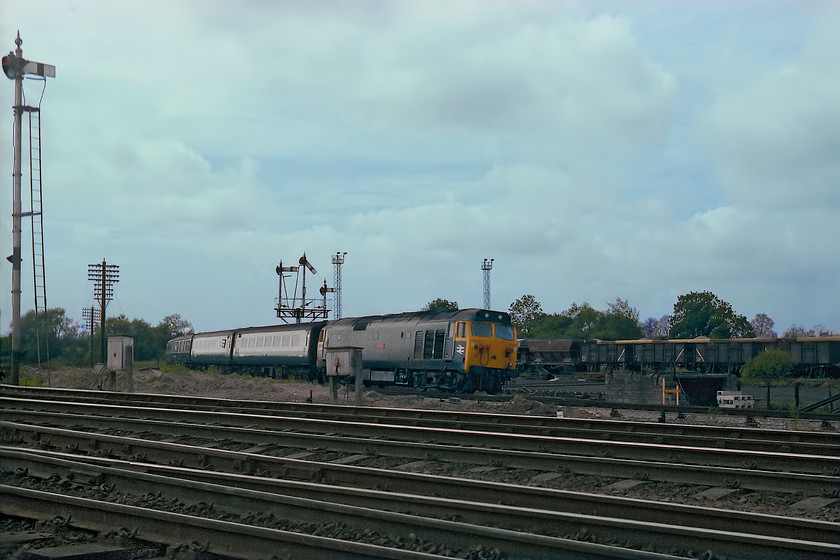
(459, 350)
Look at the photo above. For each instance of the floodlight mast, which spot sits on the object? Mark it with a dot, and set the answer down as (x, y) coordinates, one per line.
(487, 266)
(338, 260)
(15, 66)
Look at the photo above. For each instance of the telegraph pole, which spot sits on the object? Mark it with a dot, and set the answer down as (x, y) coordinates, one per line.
(104, 276)
(15, 66)
(487, 266)
(91, 316)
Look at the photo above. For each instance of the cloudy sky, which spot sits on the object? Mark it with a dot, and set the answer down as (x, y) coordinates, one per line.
(595, 150)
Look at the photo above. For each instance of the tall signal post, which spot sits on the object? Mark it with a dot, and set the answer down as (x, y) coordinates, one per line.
(487, 266)
(104, 276)
(338, 260)
(294, 307)
(15, 66)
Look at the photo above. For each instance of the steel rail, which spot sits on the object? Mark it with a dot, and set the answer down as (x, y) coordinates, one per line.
(487, 510)
(541, 425)
(235, 540)
(516, 543)
(559, 401)
(242, 462)
(129, 417)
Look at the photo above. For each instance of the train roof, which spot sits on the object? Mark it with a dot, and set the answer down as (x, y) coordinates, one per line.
(284, 327)
(472, 314)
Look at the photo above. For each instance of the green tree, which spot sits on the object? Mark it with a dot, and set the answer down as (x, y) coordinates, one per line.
(525, 314)
(441, 304)
(551, 326)
(769, 364)
(146, 342)
(704, 314)
(585, 320)
(622, 307)
(53, 330)
(617, 326)
(169, 327)
(174, 325)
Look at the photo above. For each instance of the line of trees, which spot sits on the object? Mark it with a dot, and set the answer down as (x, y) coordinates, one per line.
(70, 343)
(695, 314)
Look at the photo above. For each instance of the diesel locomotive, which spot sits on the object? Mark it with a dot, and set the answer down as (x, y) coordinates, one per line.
(466, 350)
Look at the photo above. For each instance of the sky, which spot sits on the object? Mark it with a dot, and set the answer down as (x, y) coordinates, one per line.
(595, 150)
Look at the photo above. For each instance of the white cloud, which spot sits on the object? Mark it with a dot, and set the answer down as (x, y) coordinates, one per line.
(594, 150)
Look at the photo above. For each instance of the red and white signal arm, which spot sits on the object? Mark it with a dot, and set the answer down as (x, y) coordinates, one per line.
(39, 68)
(14, 67)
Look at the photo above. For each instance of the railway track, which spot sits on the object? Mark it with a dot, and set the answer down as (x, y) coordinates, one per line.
(682, 434)
(323, 461)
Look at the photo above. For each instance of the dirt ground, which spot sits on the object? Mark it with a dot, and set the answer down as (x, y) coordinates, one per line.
(236, 387)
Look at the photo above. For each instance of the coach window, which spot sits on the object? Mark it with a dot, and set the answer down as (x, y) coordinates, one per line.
(461, 330)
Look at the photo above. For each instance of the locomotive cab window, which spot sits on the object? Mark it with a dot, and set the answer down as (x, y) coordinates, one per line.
(504, 332)
(482, 329)
(461, 330)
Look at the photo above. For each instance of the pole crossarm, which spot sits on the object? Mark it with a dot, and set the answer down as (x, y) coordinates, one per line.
(103, 276)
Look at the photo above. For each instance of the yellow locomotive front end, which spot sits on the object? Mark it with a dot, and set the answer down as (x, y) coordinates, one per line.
(487, 342)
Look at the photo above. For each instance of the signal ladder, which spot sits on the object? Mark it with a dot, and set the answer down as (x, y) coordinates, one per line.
(37, 214)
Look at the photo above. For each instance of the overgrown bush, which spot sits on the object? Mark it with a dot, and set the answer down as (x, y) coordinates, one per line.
(769, 364)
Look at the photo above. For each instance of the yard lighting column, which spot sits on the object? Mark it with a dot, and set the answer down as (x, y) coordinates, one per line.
(487, 266)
